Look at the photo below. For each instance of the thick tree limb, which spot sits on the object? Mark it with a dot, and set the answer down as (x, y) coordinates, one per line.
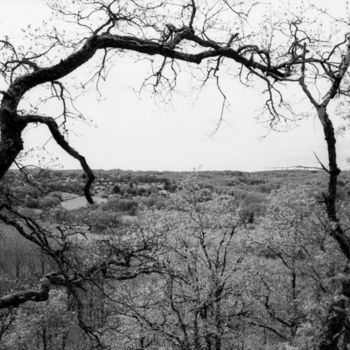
(24, 83)
(11, 143)
(41, 294)
(61, 141)
(16, 299)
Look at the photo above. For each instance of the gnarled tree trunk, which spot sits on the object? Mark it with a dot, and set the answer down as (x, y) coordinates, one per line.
(11, 143)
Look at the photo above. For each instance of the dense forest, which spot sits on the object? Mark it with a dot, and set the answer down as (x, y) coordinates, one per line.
(137, 260)
(206, 260)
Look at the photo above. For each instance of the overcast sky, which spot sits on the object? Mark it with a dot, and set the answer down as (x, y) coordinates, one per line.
(132, 132)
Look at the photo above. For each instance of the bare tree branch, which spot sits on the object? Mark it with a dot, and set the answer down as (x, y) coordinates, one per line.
(61, 141)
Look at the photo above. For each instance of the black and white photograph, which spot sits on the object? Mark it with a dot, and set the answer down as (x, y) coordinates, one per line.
(174, 175)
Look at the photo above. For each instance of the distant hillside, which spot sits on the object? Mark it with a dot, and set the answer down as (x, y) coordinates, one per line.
(112, 181)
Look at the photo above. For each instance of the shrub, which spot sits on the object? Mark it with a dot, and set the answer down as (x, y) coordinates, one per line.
(116, 189)
(128, 206)
(49, 202)
(32, 203)
(250, 212)
(153, 201)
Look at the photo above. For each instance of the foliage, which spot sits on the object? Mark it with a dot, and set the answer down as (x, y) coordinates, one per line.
(212, 279)
(296, 262)
(36, 327)
(127, 206)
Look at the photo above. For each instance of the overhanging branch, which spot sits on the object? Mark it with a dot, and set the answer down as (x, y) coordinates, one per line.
(61, 141)
(150, 47)
(41, 294)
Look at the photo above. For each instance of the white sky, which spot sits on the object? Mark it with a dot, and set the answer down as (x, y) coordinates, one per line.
(134, 133)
